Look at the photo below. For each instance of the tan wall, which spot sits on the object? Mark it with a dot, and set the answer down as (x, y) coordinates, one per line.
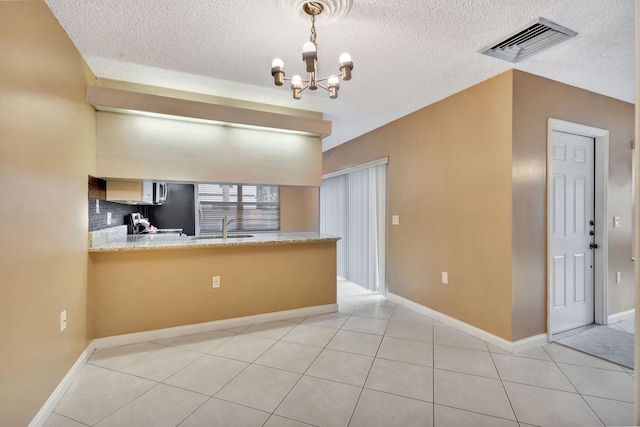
(415, 157)
(449, 179)
(139, 147)
(299, 209)
(146, 290)
(47, 146)
(535, 100)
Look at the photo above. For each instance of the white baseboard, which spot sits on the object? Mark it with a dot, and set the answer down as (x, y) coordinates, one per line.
(159, 334)
(100, 343)
(621, 316)
(529, 343)
(47, 409)
(511, 347)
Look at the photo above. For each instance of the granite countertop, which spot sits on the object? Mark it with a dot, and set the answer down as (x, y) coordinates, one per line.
(111, 240)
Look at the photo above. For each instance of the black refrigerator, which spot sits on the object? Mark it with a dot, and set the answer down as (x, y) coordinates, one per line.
(178, 211)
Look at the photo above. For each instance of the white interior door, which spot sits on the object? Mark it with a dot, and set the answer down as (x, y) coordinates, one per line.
(572, 219)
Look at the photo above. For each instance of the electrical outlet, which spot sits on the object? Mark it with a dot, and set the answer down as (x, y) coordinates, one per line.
(108, 218)
(216, 282)
(618, 277)
(63, 320)
(97, 206)
(395, 220)
(445, 277)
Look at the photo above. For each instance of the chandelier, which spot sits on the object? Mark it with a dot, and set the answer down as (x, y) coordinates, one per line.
(310, 58)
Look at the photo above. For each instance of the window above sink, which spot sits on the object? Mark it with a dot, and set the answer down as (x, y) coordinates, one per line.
(246, 207)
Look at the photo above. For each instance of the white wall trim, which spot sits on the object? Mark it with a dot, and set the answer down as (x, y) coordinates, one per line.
(100, 343)
(621, 316)
(177, 331)
(47, 409)
(373, 163)
(529, 343)
(510, 346)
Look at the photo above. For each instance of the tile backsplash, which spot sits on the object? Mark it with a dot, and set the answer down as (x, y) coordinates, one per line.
(98, 221)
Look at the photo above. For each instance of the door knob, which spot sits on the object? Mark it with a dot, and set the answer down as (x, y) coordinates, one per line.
(593, 246)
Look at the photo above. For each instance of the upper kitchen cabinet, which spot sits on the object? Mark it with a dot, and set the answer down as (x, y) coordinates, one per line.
(136, 192)
(186, 140)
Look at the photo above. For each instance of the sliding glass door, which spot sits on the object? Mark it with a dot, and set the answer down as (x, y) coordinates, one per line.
(353, 206)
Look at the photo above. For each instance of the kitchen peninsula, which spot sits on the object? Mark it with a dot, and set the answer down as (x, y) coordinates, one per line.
(142, 284)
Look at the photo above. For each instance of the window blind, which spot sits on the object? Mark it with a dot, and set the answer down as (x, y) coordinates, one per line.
(353, 206)
(251, 207)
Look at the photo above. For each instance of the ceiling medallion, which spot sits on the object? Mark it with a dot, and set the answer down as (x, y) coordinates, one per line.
(333, 10)
(310, 57)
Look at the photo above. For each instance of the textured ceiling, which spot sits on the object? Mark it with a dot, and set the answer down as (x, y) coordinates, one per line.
(406, 55)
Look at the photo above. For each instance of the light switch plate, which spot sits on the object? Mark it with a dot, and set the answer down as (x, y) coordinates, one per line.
(108, 218)
(63, 320)
(395, 220)
(445, 278)
(618, 277)
(617, 222)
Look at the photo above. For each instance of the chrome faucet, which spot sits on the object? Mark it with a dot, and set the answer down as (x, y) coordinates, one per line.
(224, 226)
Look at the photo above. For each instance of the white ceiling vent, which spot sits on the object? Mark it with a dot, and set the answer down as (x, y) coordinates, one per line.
(536, 37)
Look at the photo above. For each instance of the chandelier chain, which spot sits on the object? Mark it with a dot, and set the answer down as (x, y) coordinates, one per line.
(313, 29)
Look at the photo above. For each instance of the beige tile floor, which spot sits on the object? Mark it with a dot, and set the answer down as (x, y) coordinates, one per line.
(371, 364)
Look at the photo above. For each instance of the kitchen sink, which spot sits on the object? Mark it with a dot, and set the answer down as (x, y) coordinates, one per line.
(230, 236)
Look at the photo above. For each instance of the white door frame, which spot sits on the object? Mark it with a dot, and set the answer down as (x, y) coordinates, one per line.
(600, 255)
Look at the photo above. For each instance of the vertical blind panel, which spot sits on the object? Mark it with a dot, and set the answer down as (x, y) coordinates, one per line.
(353, 207)
(251, 207)
(333, 216)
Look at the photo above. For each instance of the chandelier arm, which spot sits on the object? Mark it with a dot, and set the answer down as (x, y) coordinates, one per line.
(287, 79)
(328, 77)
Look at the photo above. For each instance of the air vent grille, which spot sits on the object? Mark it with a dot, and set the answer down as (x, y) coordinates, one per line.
(536, 37)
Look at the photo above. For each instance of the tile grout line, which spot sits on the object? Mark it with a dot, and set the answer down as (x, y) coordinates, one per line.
(433, 374)
(369, 370)
(502, 384)
(225, 384)
(305, 371)
(128, 402)
(168, 385)
(72, 419)
(245, 368)
(574, 386)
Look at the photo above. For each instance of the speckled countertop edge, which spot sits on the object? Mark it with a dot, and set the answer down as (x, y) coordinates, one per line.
(186, 243)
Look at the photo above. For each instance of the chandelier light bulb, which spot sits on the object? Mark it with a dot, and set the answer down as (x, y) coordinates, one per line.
(344, 58)
(333, 84)
(309, 56)
(277, 71)
(296, 86)
(309, 47)
(346, 65)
